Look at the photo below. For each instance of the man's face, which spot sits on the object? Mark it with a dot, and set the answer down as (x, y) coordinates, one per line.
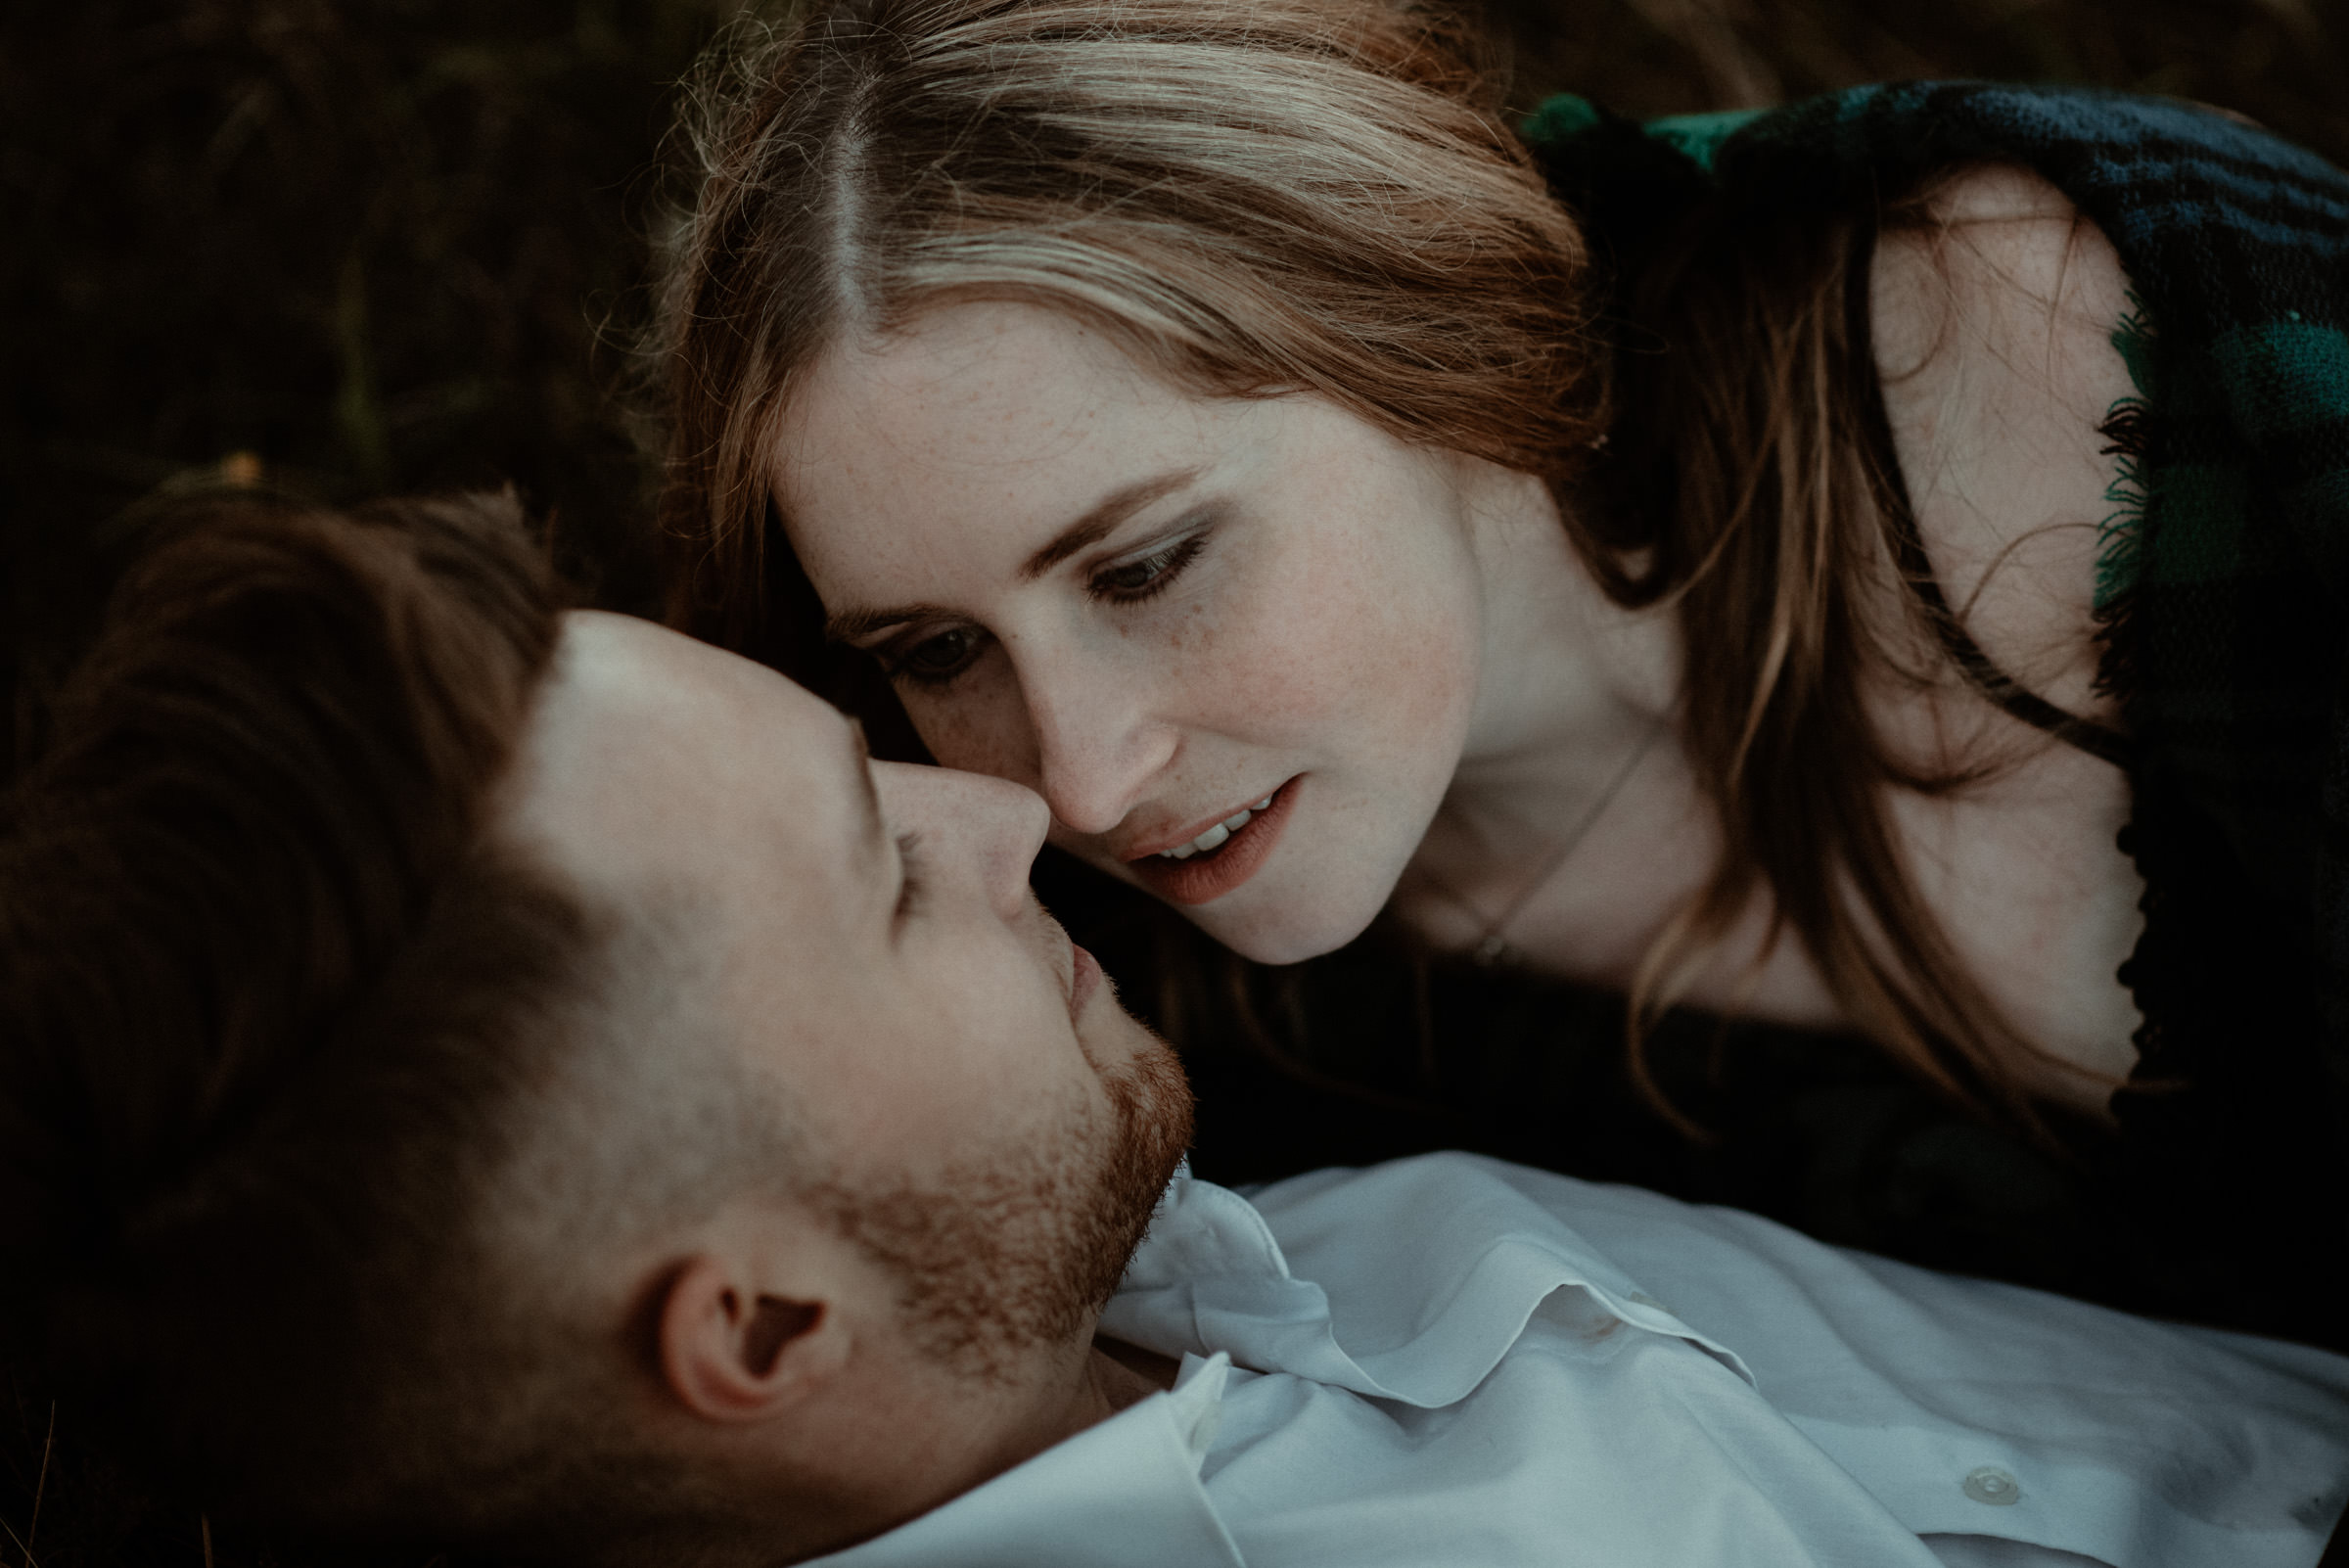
(974, 1109)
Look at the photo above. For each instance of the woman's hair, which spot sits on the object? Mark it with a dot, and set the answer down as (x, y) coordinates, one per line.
(1254, 196)
(1758, 496)
(1259, 197)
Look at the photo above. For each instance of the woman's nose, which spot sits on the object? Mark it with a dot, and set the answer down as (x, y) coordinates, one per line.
(1097, 745)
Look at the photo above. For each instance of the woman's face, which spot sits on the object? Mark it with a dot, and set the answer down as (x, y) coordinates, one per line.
(1159, 610)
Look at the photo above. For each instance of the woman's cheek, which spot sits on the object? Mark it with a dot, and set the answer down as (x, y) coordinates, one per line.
(1384, 651)
(976, 725)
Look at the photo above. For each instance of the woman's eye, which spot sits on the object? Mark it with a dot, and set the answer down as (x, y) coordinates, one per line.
(938, 658)
(1130, 582)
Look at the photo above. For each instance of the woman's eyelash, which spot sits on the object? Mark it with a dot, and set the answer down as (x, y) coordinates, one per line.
(1148, 576)
(939, 659)
(913, 886)
(919, 662)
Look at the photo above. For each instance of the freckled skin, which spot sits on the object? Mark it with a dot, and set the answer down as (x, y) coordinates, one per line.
(1328, 630)
(1407, 635)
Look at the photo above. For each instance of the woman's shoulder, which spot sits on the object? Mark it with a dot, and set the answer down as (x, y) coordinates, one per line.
(1994, 311)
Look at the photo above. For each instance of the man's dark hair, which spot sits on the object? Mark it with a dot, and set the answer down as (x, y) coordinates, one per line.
(272, 1007)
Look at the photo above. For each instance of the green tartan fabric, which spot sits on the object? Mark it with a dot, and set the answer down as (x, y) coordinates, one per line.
(2223, 583)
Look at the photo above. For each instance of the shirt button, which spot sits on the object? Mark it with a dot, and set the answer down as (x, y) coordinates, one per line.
(1991, 1484)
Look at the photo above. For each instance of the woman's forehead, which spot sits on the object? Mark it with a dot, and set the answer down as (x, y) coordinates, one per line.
(984, 388)
(1004, 416)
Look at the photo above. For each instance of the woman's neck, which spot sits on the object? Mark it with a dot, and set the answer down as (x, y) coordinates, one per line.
(1573, 827)
(1572, 684)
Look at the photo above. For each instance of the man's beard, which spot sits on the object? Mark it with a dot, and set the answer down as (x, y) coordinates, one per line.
(1029, 1247)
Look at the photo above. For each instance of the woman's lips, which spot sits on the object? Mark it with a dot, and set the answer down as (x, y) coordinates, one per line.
(1203, 877)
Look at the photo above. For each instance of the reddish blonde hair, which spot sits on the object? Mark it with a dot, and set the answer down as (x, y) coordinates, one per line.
(1254, 195)
(1268, 195)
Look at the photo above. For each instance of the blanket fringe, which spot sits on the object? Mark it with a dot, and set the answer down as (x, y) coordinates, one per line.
(2128, 431)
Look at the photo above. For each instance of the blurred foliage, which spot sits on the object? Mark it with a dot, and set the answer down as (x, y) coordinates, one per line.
(373, 245)
(399, 246)
(381, 246)
(2278, 61)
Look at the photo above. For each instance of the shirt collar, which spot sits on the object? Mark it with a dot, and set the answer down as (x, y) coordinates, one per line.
(1432, 1299)
(1436, 1270)
(1133, 1479)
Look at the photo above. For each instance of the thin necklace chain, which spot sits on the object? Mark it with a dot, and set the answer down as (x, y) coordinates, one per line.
(1493, 946)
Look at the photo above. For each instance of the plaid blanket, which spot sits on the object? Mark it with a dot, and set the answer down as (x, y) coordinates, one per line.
(2223, 588)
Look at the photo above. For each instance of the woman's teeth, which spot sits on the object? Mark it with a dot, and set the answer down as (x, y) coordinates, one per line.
(1214, 837)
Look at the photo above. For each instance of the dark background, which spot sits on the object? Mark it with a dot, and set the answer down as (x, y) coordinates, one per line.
(402, 246)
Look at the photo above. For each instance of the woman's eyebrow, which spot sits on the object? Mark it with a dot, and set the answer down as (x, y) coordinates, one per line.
(1105, 515)
(850, 624)
(1095, 526)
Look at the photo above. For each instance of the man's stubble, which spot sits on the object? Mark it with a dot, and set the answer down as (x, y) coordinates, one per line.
(1026, 1246)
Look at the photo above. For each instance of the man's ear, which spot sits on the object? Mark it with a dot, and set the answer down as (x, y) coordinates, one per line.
(729, 1352)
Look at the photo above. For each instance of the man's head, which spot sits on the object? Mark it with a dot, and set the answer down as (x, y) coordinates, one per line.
(525, 1078)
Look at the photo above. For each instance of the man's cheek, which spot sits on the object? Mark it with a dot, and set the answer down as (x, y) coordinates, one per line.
(987, 995)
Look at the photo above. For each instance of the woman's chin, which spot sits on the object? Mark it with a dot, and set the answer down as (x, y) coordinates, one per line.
(1285, 933)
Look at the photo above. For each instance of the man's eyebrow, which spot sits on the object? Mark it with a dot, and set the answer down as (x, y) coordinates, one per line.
(1090, 529)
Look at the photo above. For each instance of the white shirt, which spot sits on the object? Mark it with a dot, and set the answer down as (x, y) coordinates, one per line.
(1454, 1363)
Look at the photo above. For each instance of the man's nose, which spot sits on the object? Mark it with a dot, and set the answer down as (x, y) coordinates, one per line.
(1097, 744)
(971, 825)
